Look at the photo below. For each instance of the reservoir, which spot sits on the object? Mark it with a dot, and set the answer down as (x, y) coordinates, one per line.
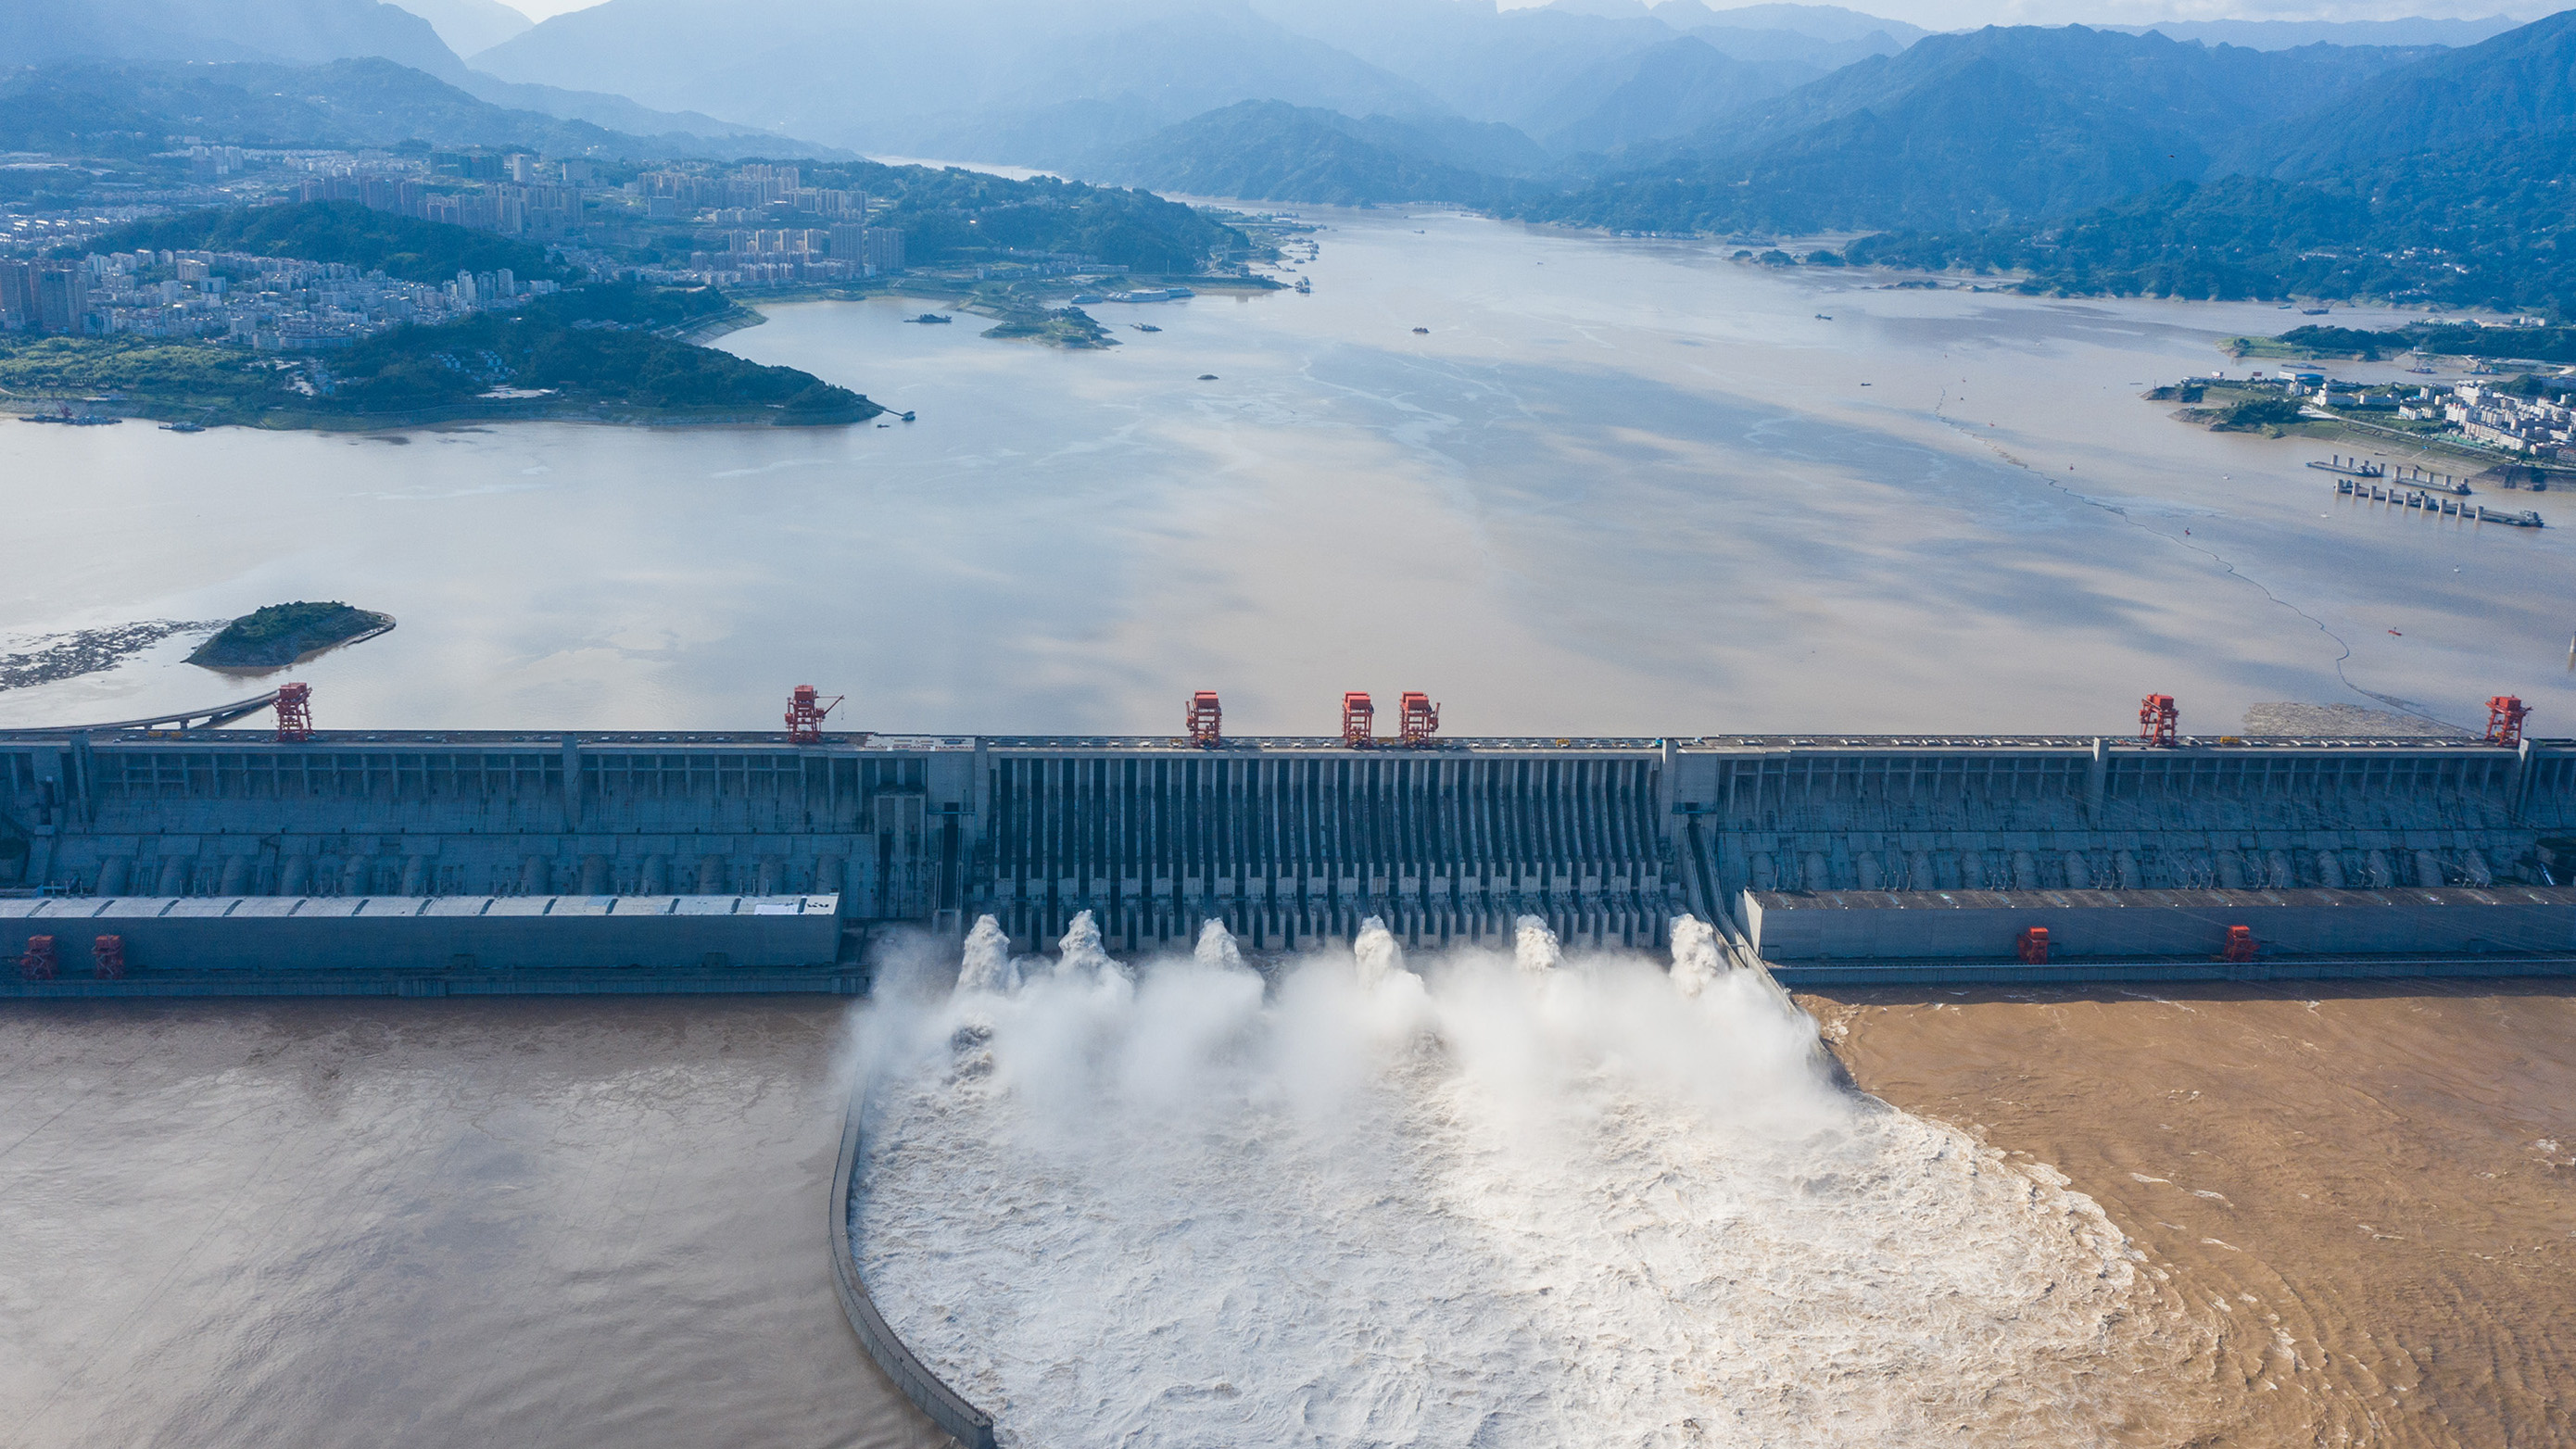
(1615, 488)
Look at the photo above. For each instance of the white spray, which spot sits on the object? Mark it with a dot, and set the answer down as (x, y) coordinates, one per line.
(987, 966)
(1347, 1204)
(1695, 959)
(1534, 946)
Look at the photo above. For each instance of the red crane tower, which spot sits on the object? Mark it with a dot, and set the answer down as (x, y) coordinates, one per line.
(39, 963)
(1417, 719)
(109, 953)
(2032, 945)
(805, 711)
(1200, 720)
(2505, 715)
(294, 713)
(1359, 721)
(2156, 719)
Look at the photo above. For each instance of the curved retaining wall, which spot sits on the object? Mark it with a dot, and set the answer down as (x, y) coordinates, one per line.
(970, 1425)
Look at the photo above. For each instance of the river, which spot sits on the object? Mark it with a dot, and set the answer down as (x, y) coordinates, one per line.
(1614, 487)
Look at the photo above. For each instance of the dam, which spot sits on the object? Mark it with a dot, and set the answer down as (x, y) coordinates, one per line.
(226, 859)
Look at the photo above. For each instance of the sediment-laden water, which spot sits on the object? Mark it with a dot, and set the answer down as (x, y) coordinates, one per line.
(1495, 1200)
(2373, 1186)
(1618, 487)
(387, 1224)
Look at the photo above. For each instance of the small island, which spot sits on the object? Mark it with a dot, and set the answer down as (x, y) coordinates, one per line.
(280, 634)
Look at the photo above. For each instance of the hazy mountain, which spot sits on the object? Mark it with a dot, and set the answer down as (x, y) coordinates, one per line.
(1272, 151)
(1544, 68)
(1820, 22)
(2443, 180)
(2487, 226)
(469, 25)
(1973, 130)
(2290, 34)
(1788, 47)
(292, 32)
(1670, 90)
(907, 76)
(346, 103)
(617, 113)
(2521, 82)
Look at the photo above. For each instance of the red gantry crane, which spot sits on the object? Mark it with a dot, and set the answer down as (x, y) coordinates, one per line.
(1200, 722)
(294, 713)
(2156, 719)
(2505, 715)
(1359, 721)
(805, 711)
(1417, 719)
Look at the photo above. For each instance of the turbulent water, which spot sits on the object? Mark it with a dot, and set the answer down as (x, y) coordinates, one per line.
(1495, 1200)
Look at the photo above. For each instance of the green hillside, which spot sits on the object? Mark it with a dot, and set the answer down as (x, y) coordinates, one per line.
(954, 215)
(2487, 227)
(337, 231)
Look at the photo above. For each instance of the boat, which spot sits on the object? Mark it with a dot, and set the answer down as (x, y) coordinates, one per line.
(2316, 311)
(1824, 317)
(930, 319)
(2525, 519)
(183, 427)
(1207, 377)
(1144, 326)
(1305, 286)
(68, 418)
(1422, 331)
(907, 417)
(2356, 467)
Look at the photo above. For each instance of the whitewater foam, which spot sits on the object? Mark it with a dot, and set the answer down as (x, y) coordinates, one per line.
(1506, 1200)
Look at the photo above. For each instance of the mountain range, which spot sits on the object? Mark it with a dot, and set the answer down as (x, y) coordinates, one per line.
(2009, 145)
(131, 108)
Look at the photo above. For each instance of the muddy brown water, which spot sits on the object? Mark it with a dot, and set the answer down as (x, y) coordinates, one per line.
(2372, 1192)
(426, 1223)
(577, 1223)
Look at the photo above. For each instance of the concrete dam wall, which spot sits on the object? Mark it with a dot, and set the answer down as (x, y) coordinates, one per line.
(1288, 841)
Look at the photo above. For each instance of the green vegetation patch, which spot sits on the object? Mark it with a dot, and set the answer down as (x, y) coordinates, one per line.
(949, 216)
(280, 634)
(176, 373)
(2260, 412)
(1063, 327)
(337, 231)
(2485, 225)
(613, 346)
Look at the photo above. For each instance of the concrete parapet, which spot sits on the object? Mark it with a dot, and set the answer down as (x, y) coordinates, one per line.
(945, 1407)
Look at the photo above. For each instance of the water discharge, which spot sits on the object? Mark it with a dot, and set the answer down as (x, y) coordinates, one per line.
(1515, 1199)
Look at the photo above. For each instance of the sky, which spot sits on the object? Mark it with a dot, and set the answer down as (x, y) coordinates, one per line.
(1961, 14)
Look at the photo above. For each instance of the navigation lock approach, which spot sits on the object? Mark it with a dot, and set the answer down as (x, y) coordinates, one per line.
(431, 862)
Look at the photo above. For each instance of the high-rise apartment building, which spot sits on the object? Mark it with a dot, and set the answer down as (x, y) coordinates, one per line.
(17, 296)
(62, 296)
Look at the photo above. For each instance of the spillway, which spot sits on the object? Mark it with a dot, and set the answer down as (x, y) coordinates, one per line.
(1531, 1195)
(1290, 842)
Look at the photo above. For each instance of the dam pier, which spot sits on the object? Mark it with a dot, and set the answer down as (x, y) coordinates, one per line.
(456, 862)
